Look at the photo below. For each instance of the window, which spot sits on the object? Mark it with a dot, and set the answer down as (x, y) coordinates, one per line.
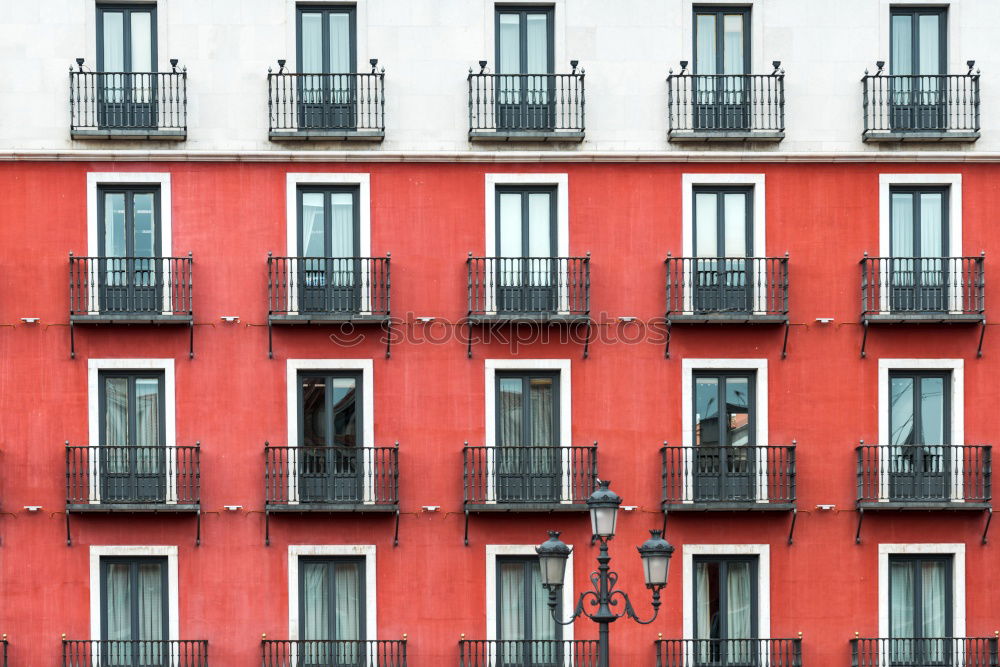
(526, 238)
(331, 468)
(920, 609)
(524, 53)
(332, 610)
(721, 57)
(126, 57)
(132, 427)
(329, 242)
(725, 609)
(724, 436)
(529, 459)
(919, 431)
(527, 632)
(723, 239)
(918, 240)
(918, 99)
(327, 48)
(129, 274)
(134, 611)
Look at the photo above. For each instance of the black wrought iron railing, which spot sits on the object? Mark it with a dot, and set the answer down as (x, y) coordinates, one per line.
(727, 285)
(534, 103)
(130, 285)
(527, 652)
(921, 103)
(351, 102)
(135, 653)
(331, 475)
(726, 652)
(929, 652)
(924, 473)
(328, 285)
(529, 475)
(747, 474)
(923, 285)
(128, 102)
(529, 285)
(356, 653)
(726, 103)
(111, 474)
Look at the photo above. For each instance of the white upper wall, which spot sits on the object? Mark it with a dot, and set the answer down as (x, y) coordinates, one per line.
(427, 47)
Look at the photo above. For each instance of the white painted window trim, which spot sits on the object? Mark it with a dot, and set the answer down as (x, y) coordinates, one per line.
(957, 382)
(561, 183)
(494, 551)
(758, 64)
(562, 366)
(763, 553)
(291, 38)
(954, 184)
(688, 369)
(957, 551)
(95, 179)
(559, 53)
(295, 551)
(755, 181)
(292, 183)
(94, 368)
(955, 56)
(173, 608)
(366, 367)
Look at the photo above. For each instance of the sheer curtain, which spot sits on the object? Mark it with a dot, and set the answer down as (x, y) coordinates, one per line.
(147, 425)
(316, 611)
(114, 241)
(512, 611)
(348, 611)
(115, 425)
(313, 243)
(902, 246)
(703, 611)
(118, 603)
(312, 57)
(732, 43)
(545, 462)
(739, 612)
(509, 437)
(150, 602)
(340, 56)
(933, 613)
(113, 55)
(932, 267)
(510, 242)
(510, 58)
(901, 610)
(538, 57)
(543, 627)
(342, 238)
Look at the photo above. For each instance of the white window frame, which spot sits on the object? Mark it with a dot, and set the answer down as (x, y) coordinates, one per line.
(763, 553)
(754, 181)
(955, 550)
(561, 184)
(562, 367)
(292, 182)
(494, 551)
(758, 65)
(291, 36)
(95, 179)
(688, 369)
(94, 368)
(173, 608)
(954, 184)
(957, 369)
(366, 367)
(295, 551)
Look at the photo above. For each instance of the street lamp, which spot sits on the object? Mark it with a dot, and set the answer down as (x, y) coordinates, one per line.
(654, 552)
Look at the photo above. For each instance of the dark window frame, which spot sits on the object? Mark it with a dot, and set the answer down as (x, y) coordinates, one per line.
(326, 191)
(524, 191)
(523, 11)
(916, 560)
(723, 561)
(528, 420)
(916, 191)
(918, 377)
(719, 11)
(358, 377)
(134, 562)
(326, 10)
(131, 376)
(721, 376)
(127, 9)
(129, 191)
(525, 561)
(914, 13)
(332, 562)
(720, 220)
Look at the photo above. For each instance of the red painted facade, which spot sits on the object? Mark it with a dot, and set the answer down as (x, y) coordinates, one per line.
(429, 396)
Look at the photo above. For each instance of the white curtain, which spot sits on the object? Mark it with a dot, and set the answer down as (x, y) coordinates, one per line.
(115, 245)
(118, 603)
(931, 242)
(735, 211)
(313, 239)
(348, 610)
(512, 611)
(508, 91)
(541, 390)
(113, 55)
(116, 425)
(312, 57)
(705, 44)
(901, 610)
(933, 613)
(540, 238)
(511, 241)
(902, 224)
(150, 602)
(739, 612)
(340, 56)
(141, 54)
(316, 611)
(538, 57)
(342, 238)
(902, 46)
(147, 424)
(929, 47)
(703, 611)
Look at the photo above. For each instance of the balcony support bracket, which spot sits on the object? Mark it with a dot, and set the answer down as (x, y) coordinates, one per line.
(666, 351)
(986, 528)
(387, 326)
(784, 346)
(270, 340)
(586, 342)
(982, 334)
(395, 535)
(864, 337)
(468, 354)
(197, 538)
(267, 526)
(72, 355)
(861, 518)
(69, 538)
(191, 341)
(791, 528)
(466, 527)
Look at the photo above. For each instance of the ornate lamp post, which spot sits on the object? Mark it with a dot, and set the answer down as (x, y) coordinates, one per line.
(655, 554)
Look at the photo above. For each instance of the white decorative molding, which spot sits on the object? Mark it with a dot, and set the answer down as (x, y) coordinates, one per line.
(173, 607)
(493, 551)
(957, 551)
(367, 551)
(763, 553)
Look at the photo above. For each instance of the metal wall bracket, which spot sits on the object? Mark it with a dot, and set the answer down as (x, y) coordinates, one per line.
(861, 518)
(388, 338)
(982, 334)
(989, 518)
(197, 539)
(666, 351)
(784, 345)
(466, 527)
(191, 341)
(267, 527)
(72, 340)
(69, 538)
(791, 528)
(864, 337)
(395, 535)
(468, 340)
(270, 340)
(586, 342)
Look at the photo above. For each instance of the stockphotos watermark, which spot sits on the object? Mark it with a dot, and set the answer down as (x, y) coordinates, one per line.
(598, 329)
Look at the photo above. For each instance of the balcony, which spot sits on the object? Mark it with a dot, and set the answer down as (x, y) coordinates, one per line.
(735, 290)
(726, 107)
(936, 652)
(526, 107)
(924, 477)
(529, 289)
(733, 478)
(929, 108)
(527, 652)
(359, 653)
(527, 479)
(128, 105)
(326, 107)
(736, 652)
(135, 653)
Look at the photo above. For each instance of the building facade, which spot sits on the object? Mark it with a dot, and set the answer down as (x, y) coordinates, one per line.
(317, 316)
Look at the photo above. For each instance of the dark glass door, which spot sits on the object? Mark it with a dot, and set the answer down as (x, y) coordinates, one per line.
(525, 93)
(721, 59)
(331, 466)
(329, 275)
(327, 88)
(132, 460)
(527, 633)
(920, 435)
(134, 612)
(919, 241)
(129, 268)
(725, 611)
(722, 242)
(920, 611)
(919, 95)
(528, 464)
(527, 273)
(332, 612)
(724, 424)
(126, 61)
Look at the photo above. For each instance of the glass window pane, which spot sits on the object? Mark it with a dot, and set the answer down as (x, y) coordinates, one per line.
(929, 51)
(705, 44)
(142, 41)
(510, 44)
(735, 221)
(510, 225)
(512, 602)
(313, 227)
(312, 43)
(114, 224)
(538, 43)
(149, 596)
(341, 224)
(933, 612)
(510, 411)
(115, 411)
(739, 603)
(932, 416)
(147, 412)
(706, 232)
(902, 45)
(901, 604)
(314, 431)
(732, 44)
(340, 42)
(901, 411)
(543, 627)
(706, 406)
(540, 391)
(707, 621)
(738, 411)
(931, 224)
(144, 224)
(315, 601)
(345, 415)
(114, 41)
(539, 224)
(118, 602)
(348, 586)
(902, 224)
